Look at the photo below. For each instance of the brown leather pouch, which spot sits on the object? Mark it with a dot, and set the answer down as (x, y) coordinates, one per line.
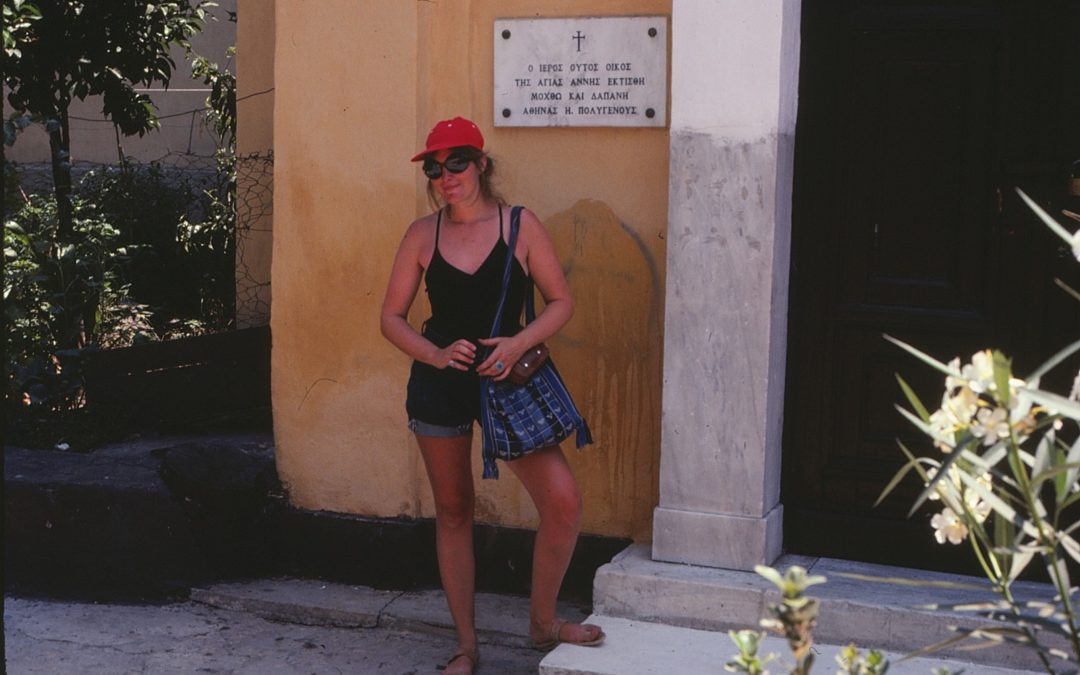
(527, 364)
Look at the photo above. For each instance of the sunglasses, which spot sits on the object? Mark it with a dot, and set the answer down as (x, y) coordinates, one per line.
(455, 163)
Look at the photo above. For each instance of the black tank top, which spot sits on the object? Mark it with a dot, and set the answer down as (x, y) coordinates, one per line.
(463, 305)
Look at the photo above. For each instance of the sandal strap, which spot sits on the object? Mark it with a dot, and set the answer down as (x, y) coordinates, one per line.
(555, 629)
(472, 656)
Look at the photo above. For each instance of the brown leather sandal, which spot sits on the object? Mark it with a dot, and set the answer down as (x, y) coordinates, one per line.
(472, 656)
(554, 640)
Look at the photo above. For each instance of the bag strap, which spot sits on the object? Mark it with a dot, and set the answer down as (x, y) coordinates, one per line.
(515, 222)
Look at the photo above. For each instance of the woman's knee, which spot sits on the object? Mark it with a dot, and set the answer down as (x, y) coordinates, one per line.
(454, 511)
(563, 508)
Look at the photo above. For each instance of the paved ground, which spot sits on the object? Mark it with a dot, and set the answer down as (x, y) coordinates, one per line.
(56, 638)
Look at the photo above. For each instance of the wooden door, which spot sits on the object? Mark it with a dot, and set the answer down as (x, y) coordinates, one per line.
(915, 120)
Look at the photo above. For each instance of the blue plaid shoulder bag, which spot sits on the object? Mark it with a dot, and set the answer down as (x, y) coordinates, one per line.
(520, 418)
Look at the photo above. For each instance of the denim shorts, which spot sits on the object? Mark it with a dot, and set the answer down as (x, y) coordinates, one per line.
(439, 431)
(442, 403)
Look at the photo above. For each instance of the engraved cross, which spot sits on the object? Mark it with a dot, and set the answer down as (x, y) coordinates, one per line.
(579, 37)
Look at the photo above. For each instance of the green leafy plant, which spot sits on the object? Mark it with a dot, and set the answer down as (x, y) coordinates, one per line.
(52, 299)
(1006, 477)
(794, 618)
(853, 662)
(62, 50)
(126, 275)
(796, 615)
(748, 661)
(19, 16)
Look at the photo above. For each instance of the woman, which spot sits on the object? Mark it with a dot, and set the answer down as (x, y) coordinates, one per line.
(460, 252)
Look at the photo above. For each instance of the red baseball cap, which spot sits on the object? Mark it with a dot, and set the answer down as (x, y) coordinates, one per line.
(452, 134)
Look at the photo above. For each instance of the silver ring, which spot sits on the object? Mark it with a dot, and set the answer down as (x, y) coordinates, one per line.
(451, 364)
(499, 365)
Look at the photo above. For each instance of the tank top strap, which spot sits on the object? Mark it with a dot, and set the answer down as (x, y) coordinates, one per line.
(438, 226)
(500, 222)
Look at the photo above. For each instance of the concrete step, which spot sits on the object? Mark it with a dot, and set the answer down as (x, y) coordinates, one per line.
(501, 619)
(871, 605)
(643, 648)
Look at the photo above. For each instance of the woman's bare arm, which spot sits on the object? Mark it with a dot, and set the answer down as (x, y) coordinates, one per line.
(405, 277)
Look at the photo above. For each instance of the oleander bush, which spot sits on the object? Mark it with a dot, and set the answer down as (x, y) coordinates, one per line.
(1005, 471)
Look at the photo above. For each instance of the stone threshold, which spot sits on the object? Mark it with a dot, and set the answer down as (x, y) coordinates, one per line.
(643, 648)
(871, 605)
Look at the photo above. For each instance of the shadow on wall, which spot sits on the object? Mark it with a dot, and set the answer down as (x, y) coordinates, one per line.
(610, 355)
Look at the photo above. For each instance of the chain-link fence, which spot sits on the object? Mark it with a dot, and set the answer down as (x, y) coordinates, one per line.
(254, 233)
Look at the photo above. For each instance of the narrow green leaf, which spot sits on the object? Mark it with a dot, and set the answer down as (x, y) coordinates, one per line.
(1054, 360)
(1059, 575)
(1070, 546)
(770, 574)
(1005, 542)
(1058, 471)
(924, 427)
(1055, 402)
(913, 399)
(988, 496)
(1042, 460)
(938, 646)
(1067, 288)
(1002, 373)
(989, 459)
(1073, 498)
(925, 358)
(912, 463)
(1019, 563)
(1072, 458)
(931, 486)
(1054, 226)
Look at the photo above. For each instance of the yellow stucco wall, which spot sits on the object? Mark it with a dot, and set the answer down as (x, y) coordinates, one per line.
(358, 85)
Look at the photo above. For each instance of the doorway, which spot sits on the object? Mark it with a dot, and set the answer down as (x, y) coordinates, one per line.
(916, 119)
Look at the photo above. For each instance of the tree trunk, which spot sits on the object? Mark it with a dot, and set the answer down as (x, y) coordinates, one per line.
(60, 146)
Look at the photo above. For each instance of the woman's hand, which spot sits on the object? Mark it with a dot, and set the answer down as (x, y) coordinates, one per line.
(459, 355)
(505, 351)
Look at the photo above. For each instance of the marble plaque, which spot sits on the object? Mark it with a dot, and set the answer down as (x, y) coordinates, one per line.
(581, 72)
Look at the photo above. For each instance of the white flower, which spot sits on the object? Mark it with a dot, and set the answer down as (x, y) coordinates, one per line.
(1076, 244)
(1075, 393)
(954, 382)
(980, 372)
(955, 413)
(991, 425)
(979, 508)
(948, 526)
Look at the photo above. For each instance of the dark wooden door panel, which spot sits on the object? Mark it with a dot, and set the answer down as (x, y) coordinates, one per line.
(915, 120)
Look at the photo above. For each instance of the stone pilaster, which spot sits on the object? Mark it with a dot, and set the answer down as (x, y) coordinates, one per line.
(734, 88)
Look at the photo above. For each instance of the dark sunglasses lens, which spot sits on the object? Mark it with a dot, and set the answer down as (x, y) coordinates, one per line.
(453, 164)
(457, 163)
(432, 169)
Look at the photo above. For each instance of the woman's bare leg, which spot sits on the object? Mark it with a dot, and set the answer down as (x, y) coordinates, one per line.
(549, 481)
(450, 471)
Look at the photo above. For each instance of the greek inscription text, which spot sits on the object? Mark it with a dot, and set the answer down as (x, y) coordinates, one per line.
(611, 96)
